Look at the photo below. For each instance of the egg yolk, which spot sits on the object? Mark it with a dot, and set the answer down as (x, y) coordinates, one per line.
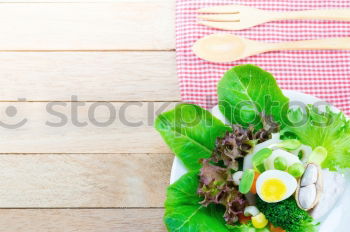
(273, 190)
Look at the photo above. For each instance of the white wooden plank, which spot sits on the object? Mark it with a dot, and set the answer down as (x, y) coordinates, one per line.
(79, 1)
(86, 180)
(92, 76)
(119, 25)
(82, 220)
(77, 128)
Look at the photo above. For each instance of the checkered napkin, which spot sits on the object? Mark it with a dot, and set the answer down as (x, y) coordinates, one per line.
(324, 74)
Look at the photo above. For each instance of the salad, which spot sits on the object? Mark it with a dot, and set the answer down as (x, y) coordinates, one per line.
(266, 166)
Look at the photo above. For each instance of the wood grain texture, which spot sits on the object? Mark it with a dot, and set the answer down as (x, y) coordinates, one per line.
(127, 55)
(82, 220)
(81, 1)
(120, 25)
(66, 127)
(84, 180)
(92, 76)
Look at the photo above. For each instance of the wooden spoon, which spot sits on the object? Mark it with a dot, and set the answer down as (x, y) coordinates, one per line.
(227, 47)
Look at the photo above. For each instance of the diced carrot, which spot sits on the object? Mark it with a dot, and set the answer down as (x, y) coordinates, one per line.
(253, 188)
(276, 229)
(243, 219)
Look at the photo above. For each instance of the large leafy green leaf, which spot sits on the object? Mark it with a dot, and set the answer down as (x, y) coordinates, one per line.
(190, 132)
(184, 213)
(246, 92)
(327, 129)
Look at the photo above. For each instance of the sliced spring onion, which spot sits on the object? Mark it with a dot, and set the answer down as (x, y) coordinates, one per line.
(251, 211)
(280, 163)
(259, 159)
(246, 181)
(237, 176)
(318, 155)
(289, 144)
(296, 170)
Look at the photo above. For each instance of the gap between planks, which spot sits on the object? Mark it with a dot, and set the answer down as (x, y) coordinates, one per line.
(83, 1)
(78, 208)
(79, 153)
(90, 101)
(85, 51)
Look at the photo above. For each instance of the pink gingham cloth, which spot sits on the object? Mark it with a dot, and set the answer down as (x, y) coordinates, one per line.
(324, 74)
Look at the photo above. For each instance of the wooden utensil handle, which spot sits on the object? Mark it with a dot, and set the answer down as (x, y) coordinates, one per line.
(332, 43)
(324, 14)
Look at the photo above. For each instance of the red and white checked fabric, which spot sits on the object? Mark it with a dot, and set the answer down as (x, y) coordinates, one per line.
(324, 74)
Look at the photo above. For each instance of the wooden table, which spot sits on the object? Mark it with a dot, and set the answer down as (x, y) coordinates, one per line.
(87, 177)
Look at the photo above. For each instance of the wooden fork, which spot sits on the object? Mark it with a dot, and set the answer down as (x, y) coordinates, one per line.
(237, 17)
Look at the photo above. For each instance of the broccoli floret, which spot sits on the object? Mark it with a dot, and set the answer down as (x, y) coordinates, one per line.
(287, 215)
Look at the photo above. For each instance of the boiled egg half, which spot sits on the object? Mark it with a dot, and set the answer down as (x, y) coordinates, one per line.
(274, 186)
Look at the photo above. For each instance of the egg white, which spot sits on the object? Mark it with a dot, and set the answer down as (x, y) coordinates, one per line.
(287, 179)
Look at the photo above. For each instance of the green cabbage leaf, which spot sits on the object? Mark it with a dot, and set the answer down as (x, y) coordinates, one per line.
(246, 93)
(327, 129)
(184, 213)
(190, 132)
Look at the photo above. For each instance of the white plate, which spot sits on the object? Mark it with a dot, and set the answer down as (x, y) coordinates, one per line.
(337, 219)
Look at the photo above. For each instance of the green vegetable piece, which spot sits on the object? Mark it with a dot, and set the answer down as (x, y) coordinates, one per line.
(280, 163)
(259, 158)
(296, 170)
(190, 132)
(301, 154)
(328, 129)
(246, 92)
(183, 211)
(287, 215)
(318, 155)
(289, 144)
(247, 181)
